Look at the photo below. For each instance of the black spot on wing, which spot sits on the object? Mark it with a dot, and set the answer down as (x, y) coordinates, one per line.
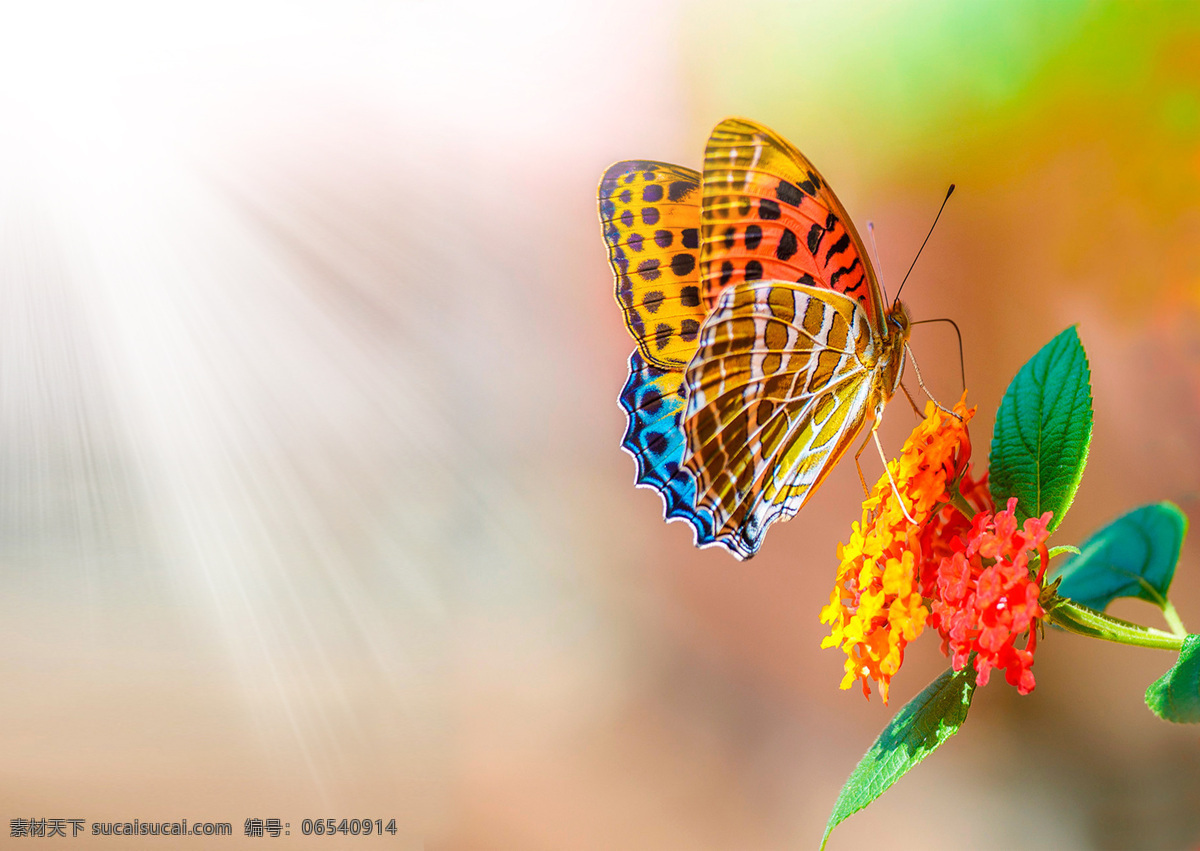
(839, 246)
(679, 189)
(753, 236)
(726, 272)
(653, 301)
(688, 329)
(815, 233)
(648, 269)
(663, 238)
(689, 296)
(652, 194)
(691, 238)
(754, 270)
(787, 245)
(768, 209)
(833, 279)
(683, 264)
(655, 442)
(788, 193)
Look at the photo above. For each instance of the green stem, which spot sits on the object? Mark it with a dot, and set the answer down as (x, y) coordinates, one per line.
(1082, 620)
(1173, 619)
(960, 502)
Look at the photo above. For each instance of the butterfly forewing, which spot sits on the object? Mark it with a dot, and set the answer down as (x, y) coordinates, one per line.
(650, 219)
(776, 392)
(769, 215)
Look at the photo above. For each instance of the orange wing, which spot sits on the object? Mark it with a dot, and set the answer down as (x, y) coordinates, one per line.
(769, 215)
(650, 218)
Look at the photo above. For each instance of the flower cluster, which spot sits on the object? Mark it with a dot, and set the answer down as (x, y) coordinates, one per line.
(949, 523)
(876, 607)
(986, 596)
(961, 568)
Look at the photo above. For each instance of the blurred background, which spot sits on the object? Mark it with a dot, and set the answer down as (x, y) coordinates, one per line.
(311, 496)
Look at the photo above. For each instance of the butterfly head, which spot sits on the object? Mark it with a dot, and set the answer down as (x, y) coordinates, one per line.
(899, 321)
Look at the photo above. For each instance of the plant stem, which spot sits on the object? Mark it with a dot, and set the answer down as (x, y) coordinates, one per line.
(1082, 620)
(960, 502)
(1173, 619)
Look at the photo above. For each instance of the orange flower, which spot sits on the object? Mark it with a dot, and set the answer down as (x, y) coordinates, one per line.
(876, 607)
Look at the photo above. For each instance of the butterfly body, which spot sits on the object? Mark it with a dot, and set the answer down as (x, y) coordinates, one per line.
(770, 351)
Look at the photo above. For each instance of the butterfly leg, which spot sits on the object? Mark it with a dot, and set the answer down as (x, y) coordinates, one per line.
(908, 396)
(875, 435)
(858, 466)
(895, 490)
(921, 381)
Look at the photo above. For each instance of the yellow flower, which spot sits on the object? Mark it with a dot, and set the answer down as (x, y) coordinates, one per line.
(876, 608)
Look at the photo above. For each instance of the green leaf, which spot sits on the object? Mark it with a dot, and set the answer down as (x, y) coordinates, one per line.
(1134, 556)
(1043, 431)
(1035, 560)
(1175, 696)
(918, 729)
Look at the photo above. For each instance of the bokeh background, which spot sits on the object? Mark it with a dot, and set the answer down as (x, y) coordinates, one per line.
(311, 497)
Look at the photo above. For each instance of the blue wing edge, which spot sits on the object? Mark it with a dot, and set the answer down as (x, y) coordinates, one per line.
(654, 402)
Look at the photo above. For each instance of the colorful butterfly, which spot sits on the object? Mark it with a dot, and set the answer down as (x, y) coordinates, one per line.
(764, 343)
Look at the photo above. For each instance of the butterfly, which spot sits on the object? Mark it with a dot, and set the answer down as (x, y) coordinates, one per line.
(764, 343)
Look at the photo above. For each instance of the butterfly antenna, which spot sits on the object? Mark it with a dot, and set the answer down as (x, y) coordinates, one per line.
(878, 266)
(961, 368)
(949, 192)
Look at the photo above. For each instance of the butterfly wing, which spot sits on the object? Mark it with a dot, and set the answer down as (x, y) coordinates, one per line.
(777, 391)
(736, 418)
(650, 218)
(769, 215)
(653, 400)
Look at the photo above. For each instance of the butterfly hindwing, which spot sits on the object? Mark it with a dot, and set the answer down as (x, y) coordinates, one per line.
(769, 215)
(776, 393)
(653, 400)
(650, 218)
